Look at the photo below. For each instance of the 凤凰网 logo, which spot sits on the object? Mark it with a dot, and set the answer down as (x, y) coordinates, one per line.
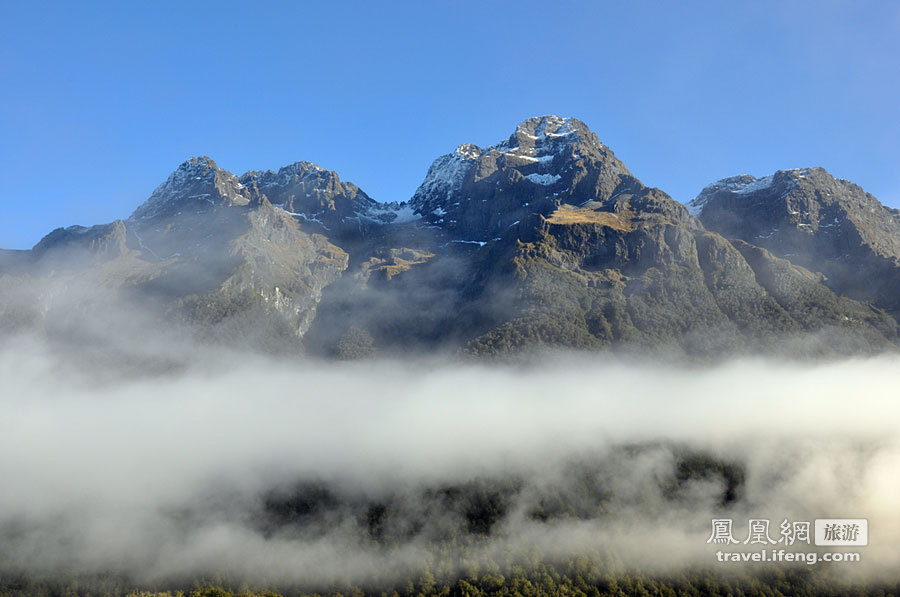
(834, 532)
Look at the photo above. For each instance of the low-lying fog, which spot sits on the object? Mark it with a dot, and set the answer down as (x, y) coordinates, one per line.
(273, 470)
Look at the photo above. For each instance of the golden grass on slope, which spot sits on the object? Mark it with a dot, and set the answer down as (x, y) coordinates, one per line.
(569, 214)
(393, 262)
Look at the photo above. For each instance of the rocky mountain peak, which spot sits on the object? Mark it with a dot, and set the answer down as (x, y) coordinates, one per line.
(311, 192)
(198, 184)
(814, 219)
(468, 151)
(291, 173)
(300, 180)
(804, 201)
(746, 188)
(544, 135)
(476, 193)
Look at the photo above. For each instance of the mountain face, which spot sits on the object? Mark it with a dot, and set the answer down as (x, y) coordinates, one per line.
(319, 197)
(199, 185)
(476, 194)
(817, 221)
(544, 239)
(208, 252)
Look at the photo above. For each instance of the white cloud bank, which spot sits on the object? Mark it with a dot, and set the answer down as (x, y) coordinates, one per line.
(167, 476)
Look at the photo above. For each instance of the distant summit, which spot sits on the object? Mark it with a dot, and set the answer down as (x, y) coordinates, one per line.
(825, 224)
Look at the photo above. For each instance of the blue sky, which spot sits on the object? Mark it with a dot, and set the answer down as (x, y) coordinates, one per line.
(101, 101)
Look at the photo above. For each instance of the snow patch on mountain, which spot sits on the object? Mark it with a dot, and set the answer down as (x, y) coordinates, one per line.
(405, 214)
(543, 179)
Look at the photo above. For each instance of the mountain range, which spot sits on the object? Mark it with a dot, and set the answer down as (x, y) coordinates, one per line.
(543, 240)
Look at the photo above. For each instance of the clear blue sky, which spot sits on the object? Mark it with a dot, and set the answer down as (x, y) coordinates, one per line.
(102, 100)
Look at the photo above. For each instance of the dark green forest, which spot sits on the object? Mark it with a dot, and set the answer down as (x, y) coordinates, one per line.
(580, 576)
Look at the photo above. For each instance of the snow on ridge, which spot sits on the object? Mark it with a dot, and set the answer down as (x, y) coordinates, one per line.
(549, 124)
(746, 184)
(550, 134)
(731, 183)
(405, 213)
(757, 185)
(197, 170)
(743, 185)
(799, 172)
(536, 141)
(446, 174)
(468, 151)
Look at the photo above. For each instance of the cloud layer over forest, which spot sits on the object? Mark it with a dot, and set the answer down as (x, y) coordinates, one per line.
(270, 469)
